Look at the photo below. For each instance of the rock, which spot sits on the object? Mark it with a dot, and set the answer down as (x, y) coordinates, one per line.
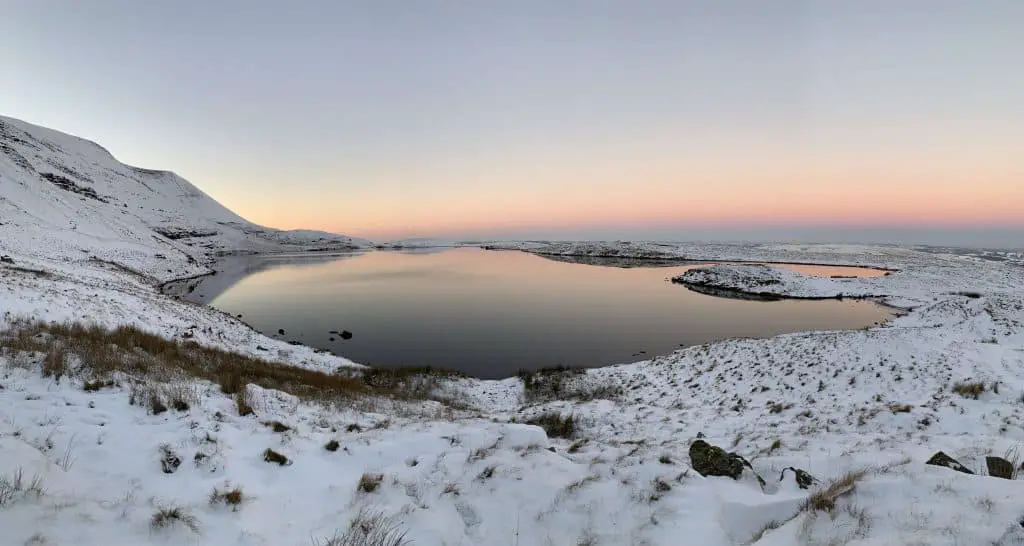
(345, 334)
(999, 467)
(803, 479)
(6, 260)
(280, 331)
(711, 460)
(941, 459)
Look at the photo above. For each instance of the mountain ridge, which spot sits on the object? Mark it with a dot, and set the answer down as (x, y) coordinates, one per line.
(69, 197)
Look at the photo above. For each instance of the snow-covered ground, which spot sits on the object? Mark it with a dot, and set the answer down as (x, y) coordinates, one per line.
(880, 400)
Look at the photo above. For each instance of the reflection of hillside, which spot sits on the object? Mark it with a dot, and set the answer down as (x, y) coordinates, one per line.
(613, 261)
(232, 269)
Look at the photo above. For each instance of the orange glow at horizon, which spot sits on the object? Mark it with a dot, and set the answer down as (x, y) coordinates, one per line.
(947, 195)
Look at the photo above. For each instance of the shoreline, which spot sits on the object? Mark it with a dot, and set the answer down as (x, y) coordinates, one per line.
(706, 289)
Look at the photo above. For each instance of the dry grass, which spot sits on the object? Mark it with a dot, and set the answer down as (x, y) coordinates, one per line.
(103, 354)
(1015, 456)
(139, 354)
(778, 407)
(181, 396)
(97, 385)
(170, 515)
(29, 271)
(271, 456)
(15, 486)
(554, 424)
(969, 389)
(277, 426)
(368, 483)
(825, 499)
(149, 396)
(55, 364)
(243, 404)
(565, 383)
(900, 408)
(369, 528)
(233, 497)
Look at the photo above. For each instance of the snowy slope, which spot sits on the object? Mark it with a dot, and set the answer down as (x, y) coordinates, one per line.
(880, 400)
(66, 197)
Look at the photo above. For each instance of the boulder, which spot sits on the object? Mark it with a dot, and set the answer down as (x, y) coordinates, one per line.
(941, 459)
(803, 479)
(711, 460)
(999, 467)
(345, 334)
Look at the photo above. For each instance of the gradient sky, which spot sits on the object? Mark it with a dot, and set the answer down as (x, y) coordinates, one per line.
(598, 118)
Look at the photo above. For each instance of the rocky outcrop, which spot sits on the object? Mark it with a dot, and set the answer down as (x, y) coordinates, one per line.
(802, 478)
(999, 467)
(941, 459)
(711, 460)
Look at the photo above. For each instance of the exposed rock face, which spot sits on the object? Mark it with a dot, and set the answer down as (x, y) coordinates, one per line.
(803, 479)
(941, 459)
(999, 467)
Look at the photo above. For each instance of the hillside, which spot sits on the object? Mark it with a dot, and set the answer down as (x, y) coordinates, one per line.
(129, 416)
(68, 198)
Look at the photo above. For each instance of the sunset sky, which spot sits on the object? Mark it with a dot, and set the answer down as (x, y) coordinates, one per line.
(668, 119)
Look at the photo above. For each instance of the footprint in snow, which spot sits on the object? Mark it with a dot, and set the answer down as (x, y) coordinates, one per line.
(469, 516)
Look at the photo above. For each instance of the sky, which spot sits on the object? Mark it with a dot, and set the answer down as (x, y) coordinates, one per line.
(889, 121)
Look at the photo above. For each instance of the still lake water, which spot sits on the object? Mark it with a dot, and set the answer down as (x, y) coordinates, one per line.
(491, 313)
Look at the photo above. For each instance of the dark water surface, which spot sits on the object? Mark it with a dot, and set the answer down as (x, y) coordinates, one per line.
(491, 313)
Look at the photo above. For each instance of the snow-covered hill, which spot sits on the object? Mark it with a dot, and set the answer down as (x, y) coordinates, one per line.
(65, 197)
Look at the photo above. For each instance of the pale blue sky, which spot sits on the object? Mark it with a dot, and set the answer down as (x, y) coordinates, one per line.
(389, 118)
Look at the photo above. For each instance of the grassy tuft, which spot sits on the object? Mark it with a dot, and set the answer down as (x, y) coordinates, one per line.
(825, 499)
(277, 426)
(554, 424)
(15, 486)
(271, 456)
(969, 389)
(242, 404)
(368, 483)
(369, 528)
(170, 515)
(55, 364)
(233, 497)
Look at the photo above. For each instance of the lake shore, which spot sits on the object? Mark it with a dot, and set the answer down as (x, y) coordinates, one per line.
(820, 401)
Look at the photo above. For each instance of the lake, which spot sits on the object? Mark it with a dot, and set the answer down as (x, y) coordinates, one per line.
(492, 313)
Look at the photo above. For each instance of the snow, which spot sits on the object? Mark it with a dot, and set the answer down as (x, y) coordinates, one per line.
(67, 198)
(826, 402)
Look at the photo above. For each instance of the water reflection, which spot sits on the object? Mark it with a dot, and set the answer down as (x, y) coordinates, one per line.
(492, 313)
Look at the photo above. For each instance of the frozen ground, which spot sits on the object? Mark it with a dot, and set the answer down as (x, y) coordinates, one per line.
(880, 399)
